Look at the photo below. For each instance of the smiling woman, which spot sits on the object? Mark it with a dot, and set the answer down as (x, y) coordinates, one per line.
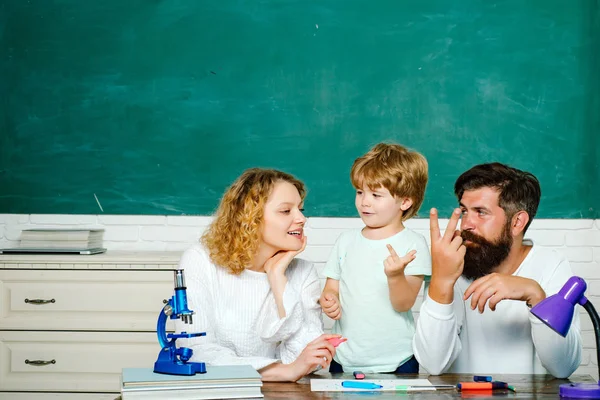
(256, 302)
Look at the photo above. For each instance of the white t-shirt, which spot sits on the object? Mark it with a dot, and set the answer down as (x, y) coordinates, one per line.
(239, 313)
(454, 338)
(379, 338)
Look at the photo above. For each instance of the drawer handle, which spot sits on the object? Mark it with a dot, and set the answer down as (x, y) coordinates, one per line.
(39, 363)
(39, 301)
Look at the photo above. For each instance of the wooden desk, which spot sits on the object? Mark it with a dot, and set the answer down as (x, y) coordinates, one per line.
(527, 387)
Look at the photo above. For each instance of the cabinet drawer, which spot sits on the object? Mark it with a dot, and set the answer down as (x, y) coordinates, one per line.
(83, 361)
(110, 300)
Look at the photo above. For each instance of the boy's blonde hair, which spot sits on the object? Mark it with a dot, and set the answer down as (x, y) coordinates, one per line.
(233, 237)
(401, 171)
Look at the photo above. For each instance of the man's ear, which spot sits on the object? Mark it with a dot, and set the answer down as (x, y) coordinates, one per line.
(519, 222)
(406, 203)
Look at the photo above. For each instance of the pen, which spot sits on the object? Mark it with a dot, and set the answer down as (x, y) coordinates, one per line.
(481, 385)
(361, 385)
(423, 387)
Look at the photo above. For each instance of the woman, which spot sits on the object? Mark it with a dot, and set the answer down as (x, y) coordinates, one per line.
(255, 301)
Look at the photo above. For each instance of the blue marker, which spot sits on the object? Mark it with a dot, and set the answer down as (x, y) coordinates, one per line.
(482, 378)
(361, 385)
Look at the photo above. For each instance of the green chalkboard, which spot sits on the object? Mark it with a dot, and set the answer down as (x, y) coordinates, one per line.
(156, 106)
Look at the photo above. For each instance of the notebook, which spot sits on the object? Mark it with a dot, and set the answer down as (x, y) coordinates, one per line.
(18, 250)
(219, 382)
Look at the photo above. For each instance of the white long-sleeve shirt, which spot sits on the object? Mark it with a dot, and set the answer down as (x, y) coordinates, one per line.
(454, 338)
(239, 313)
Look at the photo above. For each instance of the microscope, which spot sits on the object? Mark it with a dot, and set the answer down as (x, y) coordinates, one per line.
(172, 360)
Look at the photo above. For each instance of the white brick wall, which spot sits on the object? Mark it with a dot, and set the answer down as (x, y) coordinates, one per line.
(578, 239)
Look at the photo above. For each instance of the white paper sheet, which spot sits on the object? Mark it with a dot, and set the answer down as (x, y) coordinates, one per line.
(335, 385)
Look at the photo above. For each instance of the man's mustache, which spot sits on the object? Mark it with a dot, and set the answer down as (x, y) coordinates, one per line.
(473, 237)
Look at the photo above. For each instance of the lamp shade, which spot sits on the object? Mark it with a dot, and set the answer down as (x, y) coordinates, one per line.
(557, 310)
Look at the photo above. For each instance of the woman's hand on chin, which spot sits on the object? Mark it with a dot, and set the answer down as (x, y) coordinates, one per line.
(282, 259)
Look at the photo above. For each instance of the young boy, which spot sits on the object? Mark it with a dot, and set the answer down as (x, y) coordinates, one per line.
(374, 274)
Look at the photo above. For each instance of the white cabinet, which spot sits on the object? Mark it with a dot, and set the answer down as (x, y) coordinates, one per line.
(71, 361)
(69, 324)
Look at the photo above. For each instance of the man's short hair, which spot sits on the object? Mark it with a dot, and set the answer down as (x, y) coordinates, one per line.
(518, 190)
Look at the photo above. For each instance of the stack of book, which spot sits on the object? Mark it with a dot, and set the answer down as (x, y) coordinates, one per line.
(69, 239)
(219, 382)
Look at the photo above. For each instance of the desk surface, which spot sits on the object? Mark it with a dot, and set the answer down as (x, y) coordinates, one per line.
(527, 387)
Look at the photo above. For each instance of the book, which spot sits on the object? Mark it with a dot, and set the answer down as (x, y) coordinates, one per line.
(243, 392)
(219, 382)
(61, 239)
(19, 250)
(215, 374)
(62, 234)
(63, 244)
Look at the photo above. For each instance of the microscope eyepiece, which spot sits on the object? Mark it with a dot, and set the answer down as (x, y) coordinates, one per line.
(179, 279)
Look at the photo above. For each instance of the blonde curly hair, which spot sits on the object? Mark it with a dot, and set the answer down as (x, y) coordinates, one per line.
(233, 237)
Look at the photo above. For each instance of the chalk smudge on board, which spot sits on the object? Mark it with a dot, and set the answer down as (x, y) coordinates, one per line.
(98, 201)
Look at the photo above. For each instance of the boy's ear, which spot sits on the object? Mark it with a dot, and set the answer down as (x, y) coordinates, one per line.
(406, 203)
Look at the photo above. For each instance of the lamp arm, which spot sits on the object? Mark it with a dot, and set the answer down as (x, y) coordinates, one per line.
(589, 307)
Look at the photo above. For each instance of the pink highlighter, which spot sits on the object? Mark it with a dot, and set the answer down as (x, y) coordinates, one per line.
(336, 341)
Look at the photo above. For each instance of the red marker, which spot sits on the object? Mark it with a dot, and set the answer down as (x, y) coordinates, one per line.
(481, 385)
(336, 341)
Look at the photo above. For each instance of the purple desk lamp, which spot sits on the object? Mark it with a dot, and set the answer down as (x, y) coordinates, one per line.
(556, 311)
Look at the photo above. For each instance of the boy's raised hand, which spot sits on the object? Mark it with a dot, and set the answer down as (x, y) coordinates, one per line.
(330, 304)
(447, 257)
(394, 265)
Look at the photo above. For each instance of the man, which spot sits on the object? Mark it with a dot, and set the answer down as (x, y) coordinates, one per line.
(488, 262)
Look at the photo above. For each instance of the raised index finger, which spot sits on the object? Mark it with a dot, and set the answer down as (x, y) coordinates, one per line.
(452, 224)
(434, 225)
(392, 252)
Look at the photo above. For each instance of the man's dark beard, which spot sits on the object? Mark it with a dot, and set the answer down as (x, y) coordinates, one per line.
(485, 256)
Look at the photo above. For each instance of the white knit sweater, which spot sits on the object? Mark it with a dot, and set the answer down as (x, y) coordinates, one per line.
(239, 313)
(454, 338)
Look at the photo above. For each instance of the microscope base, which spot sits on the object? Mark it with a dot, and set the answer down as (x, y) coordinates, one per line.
(170, 368)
